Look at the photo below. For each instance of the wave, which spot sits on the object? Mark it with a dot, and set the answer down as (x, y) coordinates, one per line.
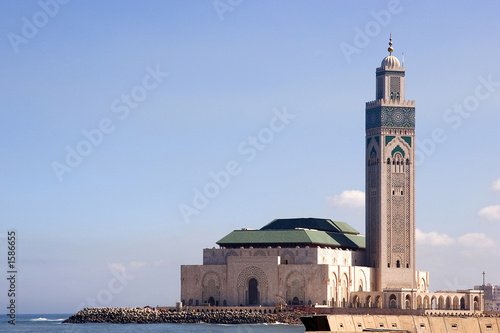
(45, 319)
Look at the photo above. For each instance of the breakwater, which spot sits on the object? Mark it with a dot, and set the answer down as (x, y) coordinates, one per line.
(155, 316)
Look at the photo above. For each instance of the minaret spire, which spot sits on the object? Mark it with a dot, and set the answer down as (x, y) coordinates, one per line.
(390, 49)
(390, 181)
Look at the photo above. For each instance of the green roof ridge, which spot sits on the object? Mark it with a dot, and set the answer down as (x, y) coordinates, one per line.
(310, 223)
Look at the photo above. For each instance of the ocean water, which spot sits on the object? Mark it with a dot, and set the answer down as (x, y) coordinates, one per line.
(52, 323)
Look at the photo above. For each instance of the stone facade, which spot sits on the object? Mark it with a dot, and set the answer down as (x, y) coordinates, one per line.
(301, 276)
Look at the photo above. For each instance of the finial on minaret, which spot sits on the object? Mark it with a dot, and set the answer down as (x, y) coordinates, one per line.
(390, 49)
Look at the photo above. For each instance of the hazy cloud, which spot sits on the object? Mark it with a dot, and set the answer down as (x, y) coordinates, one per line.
(160, 262)
(432, 238)
(116, 267)
(476, 240)
(490, 213)
(130, 266)
(136, 264)
(472, 240)
(348, 199)
(496, 185)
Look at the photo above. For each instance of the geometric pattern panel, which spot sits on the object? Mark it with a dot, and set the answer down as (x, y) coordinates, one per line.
(252, 271)
(390, 116)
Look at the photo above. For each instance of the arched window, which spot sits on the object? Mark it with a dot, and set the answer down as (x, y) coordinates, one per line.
(398, 162)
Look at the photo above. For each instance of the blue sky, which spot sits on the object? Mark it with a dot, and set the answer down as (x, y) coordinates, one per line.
(159, 97)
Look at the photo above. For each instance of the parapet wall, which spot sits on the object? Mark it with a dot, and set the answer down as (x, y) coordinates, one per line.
(414, 324)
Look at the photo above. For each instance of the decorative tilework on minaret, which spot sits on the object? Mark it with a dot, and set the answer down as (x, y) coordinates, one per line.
(390, 179)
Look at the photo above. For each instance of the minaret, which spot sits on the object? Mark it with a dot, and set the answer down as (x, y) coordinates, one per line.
(390, 180)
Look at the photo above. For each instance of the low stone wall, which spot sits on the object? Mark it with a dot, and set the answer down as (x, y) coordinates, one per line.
(412, 324)
(153, 316)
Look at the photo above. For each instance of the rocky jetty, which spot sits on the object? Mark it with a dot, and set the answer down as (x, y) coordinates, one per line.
(152, 316)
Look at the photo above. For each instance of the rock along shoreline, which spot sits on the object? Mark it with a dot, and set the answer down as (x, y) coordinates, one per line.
(155, 316)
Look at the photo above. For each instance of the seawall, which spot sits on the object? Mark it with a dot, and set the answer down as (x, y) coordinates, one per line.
(154, 316)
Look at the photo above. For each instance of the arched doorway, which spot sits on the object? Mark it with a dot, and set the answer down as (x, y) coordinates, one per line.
(462, 303)
(426, 302)
(448, 303)
(344, 290)
(211, 301)
(441, 303)
(434, 303)
(355, 301)
(253, 292)
(295, 301)
(392, 301)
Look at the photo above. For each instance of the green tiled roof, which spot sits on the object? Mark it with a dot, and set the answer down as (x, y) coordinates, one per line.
(293, 237)
(311, 223)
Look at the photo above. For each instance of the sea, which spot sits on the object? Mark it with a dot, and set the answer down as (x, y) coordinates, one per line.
(52, 323)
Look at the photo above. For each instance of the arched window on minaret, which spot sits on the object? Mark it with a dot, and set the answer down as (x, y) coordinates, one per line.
(398, 164)
(373, 161)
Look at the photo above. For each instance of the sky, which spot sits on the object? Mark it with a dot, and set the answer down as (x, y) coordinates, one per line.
(136, 133)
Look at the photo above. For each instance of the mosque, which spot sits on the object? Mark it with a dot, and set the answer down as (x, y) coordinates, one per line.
(315, 261)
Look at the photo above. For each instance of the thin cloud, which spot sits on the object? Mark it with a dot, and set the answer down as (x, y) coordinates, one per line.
(136, 264)
(160, 262)
(469, 240)
(116, 267)
(131, 266)
(476, 240)
(348, 199)
(496, 185)
(433, 238)
(490, 213)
